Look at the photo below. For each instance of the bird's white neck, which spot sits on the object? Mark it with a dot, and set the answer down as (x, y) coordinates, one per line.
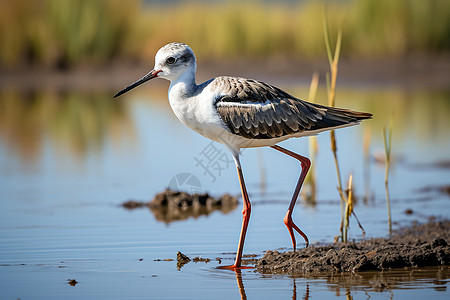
(184, 86)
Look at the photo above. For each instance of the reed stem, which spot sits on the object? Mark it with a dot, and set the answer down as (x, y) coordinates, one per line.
(331, 85)
(313, 148)
(387, 137)
(348, 209)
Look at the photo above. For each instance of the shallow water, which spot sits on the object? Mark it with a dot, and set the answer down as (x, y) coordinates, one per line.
(69, 159)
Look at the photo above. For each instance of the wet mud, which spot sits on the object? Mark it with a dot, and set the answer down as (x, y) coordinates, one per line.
(417, 246)
(72, 282)
(182, 260)
(170, 206)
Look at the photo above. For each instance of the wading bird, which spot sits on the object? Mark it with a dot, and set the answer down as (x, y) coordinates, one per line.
(243, 113)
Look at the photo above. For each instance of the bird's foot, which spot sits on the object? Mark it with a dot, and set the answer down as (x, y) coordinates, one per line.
(234, 267)
(291, 226)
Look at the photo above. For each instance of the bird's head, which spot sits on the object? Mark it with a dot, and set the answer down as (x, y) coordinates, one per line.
(171, 62)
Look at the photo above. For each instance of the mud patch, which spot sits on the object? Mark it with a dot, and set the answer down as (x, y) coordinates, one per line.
(72, 282)
(182, 260)
(444, 189)
(170, 206)
(417, 246)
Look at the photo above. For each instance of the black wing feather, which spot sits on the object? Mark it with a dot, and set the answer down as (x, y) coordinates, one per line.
(256, 110)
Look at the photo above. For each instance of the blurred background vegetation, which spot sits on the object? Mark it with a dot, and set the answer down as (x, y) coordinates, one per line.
(63, 34)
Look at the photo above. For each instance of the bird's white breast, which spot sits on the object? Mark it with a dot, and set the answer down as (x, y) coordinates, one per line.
(197, 111)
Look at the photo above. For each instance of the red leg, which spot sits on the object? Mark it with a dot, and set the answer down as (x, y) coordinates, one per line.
(246, 218)
(305, 164)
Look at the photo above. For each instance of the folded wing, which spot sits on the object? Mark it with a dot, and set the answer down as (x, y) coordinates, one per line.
(256, 110)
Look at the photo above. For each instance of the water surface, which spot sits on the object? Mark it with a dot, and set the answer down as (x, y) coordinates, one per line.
(69, 159)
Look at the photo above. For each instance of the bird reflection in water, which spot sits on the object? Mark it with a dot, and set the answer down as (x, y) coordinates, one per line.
(240, 284)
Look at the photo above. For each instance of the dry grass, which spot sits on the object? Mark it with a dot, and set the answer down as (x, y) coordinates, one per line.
(311, 178)
(57, 33)
(387, 138)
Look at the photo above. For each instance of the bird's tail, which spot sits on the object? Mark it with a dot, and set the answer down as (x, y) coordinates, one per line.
(337, 117)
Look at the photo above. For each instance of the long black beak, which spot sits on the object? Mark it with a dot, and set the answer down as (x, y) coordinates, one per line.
(152, 74)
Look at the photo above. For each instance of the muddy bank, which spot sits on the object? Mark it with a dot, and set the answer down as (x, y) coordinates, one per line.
(417, 246)
(170, 206)
(418, 71)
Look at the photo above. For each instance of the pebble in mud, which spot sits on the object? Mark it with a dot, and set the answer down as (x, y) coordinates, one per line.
(417, 246)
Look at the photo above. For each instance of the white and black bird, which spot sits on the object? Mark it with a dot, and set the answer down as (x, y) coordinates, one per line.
(243, 113)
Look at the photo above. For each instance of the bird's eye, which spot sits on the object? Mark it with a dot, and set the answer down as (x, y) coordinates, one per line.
(170, 60)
